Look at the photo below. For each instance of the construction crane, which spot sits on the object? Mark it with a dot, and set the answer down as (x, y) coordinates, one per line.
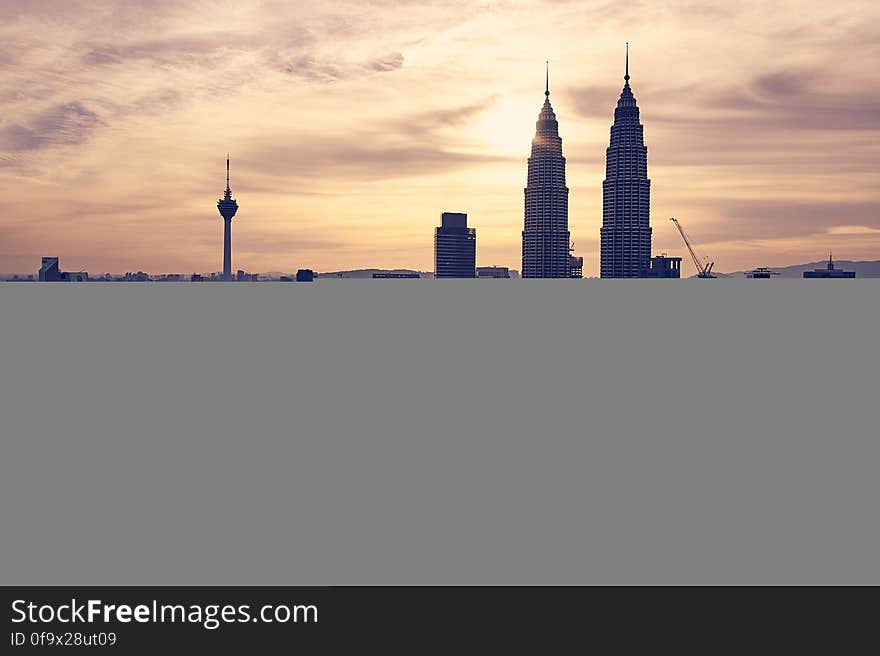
(704, 267)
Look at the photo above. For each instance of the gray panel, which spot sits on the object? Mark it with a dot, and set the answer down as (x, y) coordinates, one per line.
(440, 432)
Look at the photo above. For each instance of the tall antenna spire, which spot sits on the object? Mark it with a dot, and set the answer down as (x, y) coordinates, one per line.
(227, 171)
(547, 83)
(626, 77)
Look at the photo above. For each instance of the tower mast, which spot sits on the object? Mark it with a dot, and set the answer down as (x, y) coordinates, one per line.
(227, 206)
(547, 78)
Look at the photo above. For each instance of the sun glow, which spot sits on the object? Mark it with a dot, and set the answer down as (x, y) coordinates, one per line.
(507, 129)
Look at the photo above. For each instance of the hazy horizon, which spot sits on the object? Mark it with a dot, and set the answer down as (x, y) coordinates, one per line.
(352, 126)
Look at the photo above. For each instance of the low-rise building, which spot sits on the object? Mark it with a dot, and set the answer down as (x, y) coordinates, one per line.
(662, 266)
(829, 272)
(493, 272)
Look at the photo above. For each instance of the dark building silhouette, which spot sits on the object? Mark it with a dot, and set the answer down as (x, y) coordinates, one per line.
(760, 273)
(493, 272)
(626, 193)
(575, 264)
(50, 271)
(829, 271)
(455, 247)
(305, 275)
(227, 207)
(545, 235)
(663, 267)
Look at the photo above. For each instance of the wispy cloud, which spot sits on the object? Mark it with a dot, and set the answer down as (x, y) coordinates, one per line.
(67, 124)
(853, 230)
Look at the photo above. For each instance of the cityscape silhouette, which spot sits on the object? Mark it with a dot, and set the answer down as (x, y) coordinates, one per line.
(547, 249)
(346, 158)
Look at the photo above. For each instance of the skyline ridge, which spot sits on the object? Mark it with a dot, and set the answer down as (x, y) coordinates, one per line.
(865, 268)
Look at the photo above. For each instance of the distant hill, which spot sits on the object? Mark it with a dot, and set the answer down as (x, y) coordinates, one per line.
(368, 273)
(862, 269)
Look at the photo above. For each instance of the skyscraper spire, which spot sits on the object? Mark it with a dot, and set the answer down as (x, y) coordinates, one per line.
(227, 172)
(547, 84)
(545, 236)
(626, 192)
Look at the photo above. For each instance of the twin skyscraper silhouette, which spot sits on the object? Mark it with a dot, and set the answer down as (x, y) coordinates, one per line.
(625, 235)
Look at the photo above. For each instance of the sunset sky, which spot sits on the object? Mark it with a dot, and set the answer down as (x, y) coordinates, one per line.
(353, 124)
